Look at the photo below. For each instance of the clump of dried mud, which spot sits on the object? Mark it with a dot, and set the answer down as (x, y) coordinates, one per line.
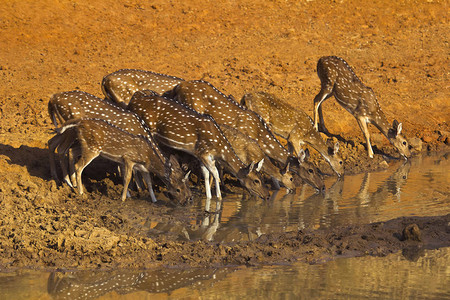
(51, 46)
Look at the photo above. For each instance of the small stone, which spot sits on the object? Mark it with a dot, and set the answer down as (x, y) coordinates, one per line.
(412, 233)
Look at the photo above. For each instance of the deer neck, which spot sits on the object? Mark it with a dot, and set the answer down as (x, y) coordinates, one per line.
(379, 120)
(228, 157)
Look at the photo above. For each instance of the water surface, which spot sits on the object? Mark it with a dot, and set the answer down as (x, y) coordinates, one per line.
(417, 187)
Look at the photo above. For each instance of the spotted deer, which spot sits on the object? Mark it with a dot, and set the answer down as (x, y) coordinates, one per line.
(179, 127)
(76, 105)
(292, 124)
(338, 79)
(100, 138)
(248, 151)
(206, 99)
(120, 86)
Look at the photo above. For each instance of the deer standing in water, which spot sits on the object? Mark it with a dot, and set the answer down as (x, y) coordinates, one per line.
(293, 125)
(100, 138)
(248, 151)
(77, 104)
(120, 86)
(179, 127)
(206, 99)
(338, 79)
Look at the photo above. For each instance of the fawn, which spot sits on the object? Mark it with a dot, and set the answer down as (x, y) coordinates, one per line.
(338, 79)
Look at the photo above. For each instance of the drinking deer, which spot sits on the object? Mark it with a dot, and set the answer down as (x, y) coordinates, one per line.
(248, 151)
(206, 99)
(77, 104)
(294, 125)
(338, 79)
(120, 86)
(100, 138)
(177, 126)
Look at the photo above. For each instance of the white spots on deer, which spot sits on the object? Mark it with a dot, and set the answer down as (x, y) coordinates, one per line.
(339, 80)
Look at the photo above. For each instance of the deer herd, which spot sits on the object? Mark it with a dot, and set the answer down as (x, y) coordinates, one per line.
(151, 124)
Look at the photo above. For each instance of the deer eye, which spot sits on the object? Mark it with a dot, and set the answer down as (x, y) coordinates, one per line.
(291, 179)
(178, 190)
(311, 171)
(404, 143)
(340, 162)
(256, 181)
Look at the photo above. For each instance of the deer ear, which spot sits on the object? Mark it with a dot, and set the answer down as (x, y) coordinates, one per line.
(399, 128)
(301, 155)
(186, 177)
(336, 148)
(259, 166)
(252, 165)
(285, 169)
(244, 171)
(242, 102)
(306, 154)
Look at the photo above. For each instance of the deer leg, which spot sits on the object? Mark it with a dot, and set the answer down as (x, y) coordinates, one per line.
(84, 160)
(325, 93)
(148, 180)
(207, 187)
(215, 174)
(127, 173)
(65, 154)
(72, 154)
(363, 125)
(53, 143)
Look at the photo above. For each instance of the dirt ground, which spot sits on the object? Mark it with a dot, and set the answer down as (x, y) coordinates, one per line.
(399, 48)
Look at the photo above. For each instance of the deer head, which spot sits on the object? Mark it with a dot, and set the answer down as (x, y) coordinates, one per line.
(176, 180)
(396, 139)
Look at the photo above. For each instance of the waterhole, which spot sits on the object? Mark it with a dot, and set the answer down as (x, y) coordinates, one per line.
(418, 187)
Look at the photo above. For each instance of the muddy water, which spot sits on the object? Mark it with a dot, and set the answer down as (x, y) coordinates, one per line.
(419, 187)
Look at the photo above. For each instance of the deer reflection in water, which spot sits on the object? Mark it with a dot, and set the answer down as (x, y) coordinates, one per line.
(91, 284)
(303, 210)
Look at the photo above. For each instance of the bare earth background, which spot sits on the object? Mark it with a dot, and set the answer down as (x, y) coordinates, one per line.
(399, 48)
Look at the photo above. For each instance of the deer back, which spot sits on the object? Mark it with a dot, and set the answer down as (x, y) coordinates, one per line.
(205, 98)
(120, 86)
(348, 89)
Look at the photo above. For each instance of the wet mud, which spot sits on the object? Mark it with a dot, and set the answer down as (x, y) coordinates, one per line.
(396, 48)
